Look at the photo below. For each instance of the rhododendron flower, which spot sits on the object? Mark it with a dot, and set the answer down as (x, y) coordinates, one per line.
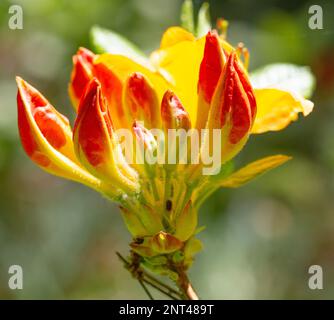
(199, 84)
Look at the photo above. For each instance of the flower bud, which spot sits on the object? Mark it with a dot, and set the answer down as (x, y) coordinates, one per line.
(46, 136)
(232, 108)
(112, 92)
(175, 119)
(141, 100)
(95, 142)
(81, 75)
(173, 114)
(210, 70)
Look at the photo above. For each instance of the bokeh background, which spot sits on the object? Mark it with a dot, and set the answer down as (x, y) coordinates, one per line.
(260, 239)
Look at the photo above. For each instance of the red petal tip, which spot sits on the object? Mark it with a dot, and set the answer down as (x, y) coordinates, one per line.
(211, 65)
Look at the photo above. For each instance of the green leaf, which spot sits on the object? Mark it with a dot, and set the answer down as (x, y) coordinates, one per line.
(107, 41)
(204, 20)
(285, 76)
(187, 16)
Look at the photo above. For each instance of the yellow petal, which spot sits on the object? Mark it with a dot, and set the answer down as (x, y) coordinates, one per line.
(179, 64)
(174, 35)
(253, 170)
(277, 108)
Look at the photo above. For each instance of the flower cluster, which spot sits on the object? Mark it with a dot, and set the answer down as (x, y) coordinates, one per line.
(195, 85)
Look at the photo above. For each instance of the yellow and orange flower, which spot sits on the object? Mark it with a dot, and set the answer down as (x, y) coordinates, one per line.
(187, 83)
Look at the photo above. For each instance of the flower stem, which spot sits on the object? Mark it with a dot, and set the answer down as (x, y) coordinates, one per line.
(190, 292)
(185, 286)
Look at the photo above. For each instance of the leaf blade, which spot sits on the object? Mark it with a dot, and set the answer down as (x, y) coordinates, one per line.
(107, 41)
(187, 16)
(204, 20)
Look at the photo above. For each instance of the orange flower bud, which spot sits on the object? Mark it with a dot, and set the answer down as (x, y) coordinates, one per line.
(141, 100)
(211, 66)
(247, 87)
(82, 73)
(95, 143)
(173, 114)
(46, 136)
(243, 104)
(35, 113)
(112, 91)
(233, 108)
(210, 70)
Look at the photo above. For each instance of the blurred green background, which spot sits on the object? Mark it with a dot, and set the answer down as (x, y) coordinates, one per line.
(260, 240)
